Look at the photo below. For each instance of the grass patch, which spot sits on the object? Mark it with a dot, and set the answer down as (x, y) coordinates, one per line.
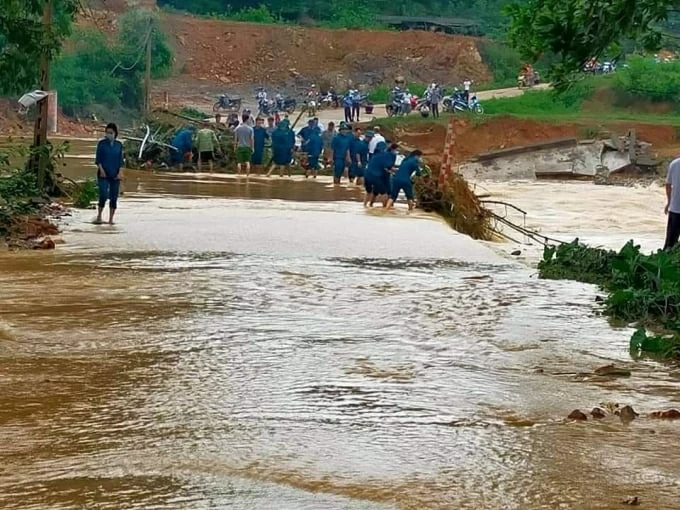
(381, 93)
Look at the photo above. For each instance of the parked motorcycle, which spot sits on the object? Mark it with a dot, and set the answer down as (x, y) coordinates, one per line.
(326, 100)
(457, 103)
(224, 102)
(285, 104)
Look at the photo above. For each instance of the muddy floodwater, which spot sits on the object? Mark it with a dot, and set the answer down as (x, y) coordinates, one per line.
(272, 345)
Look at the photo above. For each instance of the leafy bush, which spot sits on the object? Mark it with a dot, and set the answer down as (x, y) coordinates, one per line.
(194, 113)
(650, 80)
(259, 14)
(503, 61)
(642, 288)
(94, 71)
(85, 193)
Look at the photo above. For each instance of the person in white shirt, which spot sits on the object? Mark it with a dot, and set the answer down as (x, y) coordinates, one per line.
(672, 208)
(377, 138)
(466, 87)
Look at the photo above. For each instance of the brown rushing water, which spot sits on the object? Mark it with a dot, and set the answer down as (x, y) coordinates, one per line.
(223, 348)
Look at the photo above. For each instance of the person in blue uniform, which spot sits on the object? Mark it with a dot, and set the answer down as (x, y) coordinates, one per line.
(401, 180)
(392, 152)
(260, 137)
(359, 154)
(305, 133)
(347, 105)
(374, 178)
(182, 141)
(314, 148)
(341, 152)
(282, 148)
(109, 161)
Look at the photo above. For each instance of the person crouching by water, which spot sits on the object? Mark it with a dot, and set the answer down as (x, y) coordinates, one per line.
(379, 166)
(109, 161)
(206, 141)
(401, 180)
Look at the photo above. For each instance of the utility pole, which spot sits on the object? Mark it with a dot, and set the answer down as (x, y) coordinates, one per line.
(40, 128)
(147, 76)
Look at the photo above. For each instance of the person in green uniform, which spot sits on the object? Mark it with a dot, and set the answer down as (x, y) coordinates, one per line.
(206, 140)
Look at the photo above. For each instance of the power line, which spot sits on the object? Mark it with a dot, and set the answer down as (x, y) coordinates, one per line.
(118, 64)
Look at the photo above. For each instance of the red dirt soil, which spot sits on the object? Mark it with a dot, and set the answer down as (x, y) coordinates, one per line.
(231, 52)
(504, 132)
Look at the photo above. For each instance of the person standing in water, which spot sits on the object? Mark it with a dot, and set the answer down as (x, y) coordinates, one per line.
(282, 148)
(401, 180)
(379, 166)
(341, 152)
(260, 137)
(672, 208)
(314, 147)
(109, 161)
(359, 154)
(244, 145)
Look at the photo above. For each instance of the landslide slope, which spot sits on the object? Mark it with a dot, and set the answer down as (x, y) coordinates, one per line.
(244, 53)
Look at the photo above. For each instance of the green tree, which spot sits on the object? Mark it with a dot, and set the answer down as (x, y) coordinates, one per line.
(98, 71)
(578, 30)
(24, 38)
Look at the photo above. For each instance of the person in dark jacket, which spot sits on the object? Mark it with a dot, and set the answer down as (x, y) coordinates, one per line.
(347, 104)
(341, 152)
(314, 148)
(282, 148)
(374, 179)
(359, 156)
(401, 180)
(182, 141)
(109, 161)
(260, 136)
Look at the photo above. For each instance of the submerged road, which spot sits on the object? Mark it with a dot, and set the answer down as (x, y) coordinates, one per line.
(259, 344)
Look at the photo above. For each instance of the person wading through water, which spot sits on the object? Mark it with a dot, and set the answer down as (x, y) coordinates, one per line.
(341, 153)
(401, 179)
(283, 144)
(244, 145)
(260, 137)
(109, 161)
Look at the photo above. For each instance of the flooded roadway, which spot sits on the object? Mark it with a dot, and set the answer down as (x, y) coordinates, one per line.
(225, 348)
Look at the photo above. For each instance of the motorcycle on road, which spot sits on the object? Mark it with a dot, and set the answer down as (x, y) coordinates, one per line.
(230, 104)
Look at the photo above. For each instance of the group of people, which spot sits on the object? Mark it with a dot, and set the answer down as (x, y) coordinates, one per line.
(363, 158)
(360, 157)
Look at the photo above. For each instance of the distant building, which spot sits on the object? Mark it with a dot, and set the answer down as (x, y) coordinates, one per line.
(433, 24)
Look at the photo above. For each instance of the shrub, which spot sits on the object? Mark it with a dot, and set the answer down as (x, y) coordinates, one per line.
(647, 79)
(503, 61)
(641, 288)
(94, 71)
(85, 193)
(259, 14)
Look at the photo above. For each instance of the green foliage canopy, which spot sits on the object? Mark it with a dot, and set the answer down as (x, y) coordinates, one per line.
(578, 30)
(97, 71)
(23, 39)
